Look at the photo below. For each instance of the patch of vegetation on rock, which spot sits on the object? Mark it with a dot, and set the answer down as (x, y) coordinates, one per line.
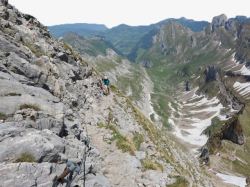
(3, 116)
(12, 94)
(35, 49)
(26, 157)
(122, 143)
(31, 106)
(149, 164)
(138, 139)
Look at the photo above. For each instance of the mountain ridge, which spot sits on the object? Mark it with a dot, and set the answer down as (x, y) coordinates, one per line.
(84, 29)
(125, 37)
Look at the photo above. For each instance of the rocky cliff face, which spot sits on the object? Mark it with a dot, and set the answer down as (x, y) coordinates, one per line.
(219, 21)
(244, 44)
(233, 131)
(43, 88)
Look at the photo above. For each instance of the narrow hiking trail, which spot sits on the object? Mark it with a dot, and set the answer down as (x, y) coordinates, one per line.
(114, 161)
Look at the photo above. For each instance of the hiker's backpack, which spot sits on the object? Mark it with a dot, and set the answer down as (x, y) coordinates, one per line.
(106, 82)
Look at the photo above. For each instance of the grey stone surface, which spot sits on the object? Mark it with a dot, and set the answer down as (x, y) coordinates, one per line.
(28, 174)
(41, 84)
(219, 21)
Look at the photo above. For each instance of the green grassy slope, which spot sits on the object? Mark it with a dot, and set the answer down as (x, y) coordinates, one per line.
(92, 46)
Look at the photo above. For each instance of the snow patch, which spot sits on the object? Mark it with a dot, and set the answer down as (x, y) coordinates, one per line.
(152, 111)
(209, 109)
(203, 101)
(171, 107)
(243, 71)
(223, 117)
(227, 50)
(193, 133)
(230, 179)
(242, 88)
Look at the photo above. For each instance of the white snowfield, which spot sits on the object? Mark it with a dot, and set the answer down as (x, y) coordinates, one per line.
(237, 67)
(244, 71)
(231, 63)
(194, 135)
(242, 88)
(230, 179)
(191, 132)
(203, 101)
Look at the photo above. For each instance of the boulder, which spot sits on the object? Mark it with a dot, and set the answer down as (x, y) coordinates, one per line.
(55, 125)
(63, 57)
(32, 174)
(40, 145)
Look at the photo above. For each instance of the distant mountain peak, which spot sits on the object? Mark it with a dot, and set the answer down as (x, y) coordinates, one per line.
(83, 29)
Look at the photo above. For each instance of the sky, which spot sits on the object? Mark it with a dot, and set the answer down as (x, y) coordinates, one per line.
(131, 12)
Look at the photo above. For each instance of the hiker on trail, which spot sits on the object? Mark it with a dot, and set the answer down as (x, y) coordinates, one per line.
(106, 83)
(74, 167)
(71, 168)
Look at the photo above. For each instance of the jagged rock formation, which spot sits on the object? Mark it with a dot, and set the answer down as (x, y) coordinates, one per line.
(219, 21)
(233, 132)
(244, 44)
(210, 74)
(187, 86)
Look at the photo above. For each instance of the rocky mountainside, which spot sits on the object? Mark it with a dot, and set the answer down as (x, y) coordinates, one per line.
(212, 72)
(197, 85)
(51, 108)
